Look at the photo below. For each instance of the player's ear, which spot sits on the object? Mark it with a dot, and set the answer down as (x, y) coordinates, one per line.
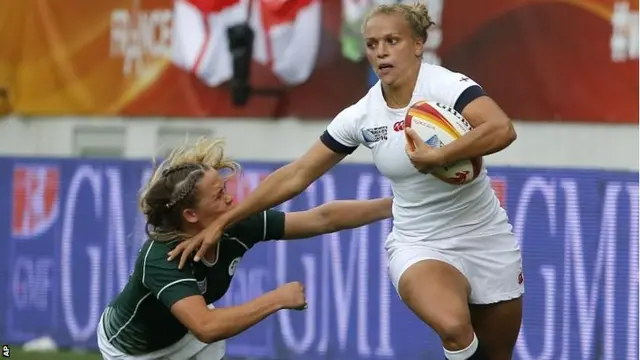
(190, 215)
(419, 47)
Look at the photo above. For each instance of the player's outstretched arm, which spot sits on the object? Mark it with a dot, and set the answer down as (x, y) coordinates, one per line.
(282, 185)
(335, 216)
(211, 325)
(285, 183)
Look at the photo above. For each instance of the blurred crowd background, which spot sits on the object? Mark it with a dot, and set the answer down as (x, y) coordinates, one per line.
(91, 91)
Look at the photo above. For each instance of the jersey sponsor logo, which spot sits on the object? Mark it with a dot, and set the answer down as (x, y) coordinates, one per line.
(398, 126)
(233, 265)
(375, 134)
(202, 285)
(520, 278)
(36, 199)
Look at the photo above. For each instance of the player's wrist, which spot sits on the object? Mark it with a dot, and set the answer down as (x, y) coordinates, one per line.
(276, 299)
(223, 221)
(235, 214)
(438, 157)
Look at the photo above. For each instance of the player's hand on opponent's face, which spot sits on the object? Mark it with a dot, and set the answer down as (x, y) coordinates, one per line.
(201, 242)
(423, 157)
(292, 296)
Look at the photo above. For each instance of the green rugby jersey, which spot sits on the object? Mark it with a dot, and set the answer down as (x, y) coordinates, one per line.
(139, 321)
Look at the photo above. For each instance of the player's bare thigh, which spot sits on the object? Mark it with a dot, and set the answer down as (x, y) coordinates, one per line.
(437, 293)
(497, 327)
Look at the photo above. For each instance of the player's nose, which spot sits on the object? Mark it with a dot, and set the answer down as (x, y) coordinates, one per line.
(382, 51)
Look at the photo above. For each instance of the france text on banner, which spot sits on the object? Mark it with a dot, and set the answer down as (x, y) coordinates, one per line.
(74, 232)
(570, 60)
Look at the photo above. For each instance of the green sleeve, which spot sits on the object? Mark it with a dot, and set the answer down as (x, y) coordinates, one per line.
(273, 221)
(163, 278)
(267, 225)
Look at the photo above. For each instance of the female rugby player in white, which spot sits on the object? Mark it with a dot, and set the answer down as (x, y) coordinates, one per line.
(162, 312)
(452, 255)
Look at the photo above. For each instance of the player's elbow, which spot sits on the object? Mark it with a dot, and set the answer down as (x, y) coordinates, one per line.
(320, 220)
(206, 334)
(327, 220)
(504, 132)
(203, 336)
(209, 336)
(511, 134)
(209, 330)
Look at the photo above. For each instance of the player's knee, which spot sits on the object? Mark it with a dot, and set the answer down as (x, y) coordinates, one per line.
(455, 332)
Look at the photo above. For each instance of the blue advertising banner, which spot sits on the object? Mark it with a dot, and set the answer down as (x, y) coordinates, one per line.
(71, 231)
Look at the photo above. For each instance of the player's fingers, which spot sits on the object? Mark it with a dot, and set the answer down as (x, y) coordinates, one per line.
(201, 251)
(177, 251)
(409, 150)
(415, 164)
(412, 158)
(416, 141)
(410, 146)
(186, 253)
(413, 135)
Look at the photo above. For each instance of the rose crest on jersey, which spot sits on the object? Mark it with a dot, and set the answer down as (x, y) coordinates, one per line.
(202, 285)
(233, 265)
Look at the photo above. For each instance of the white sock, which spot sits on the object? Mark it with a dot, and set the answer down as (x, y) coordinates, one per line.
(465, 353)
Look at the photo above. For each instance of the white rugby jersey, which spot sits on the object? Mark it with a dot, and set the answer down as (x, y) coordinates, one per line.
(424, 207)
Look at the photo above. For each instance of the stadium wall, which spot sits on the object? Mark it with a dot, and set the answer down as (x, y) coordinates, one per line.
(540, 144)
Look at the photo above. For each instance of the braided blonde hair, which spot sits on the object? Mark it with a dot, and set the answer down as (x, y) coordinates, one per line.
(172, 186)
(416, 15)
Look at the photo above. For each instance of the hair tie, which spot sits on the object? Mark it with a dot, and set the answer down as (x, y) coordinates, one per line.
(173, 169)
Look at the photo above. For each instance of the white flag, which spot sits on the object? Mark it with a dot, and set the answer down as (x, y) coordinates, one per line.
(287, 37)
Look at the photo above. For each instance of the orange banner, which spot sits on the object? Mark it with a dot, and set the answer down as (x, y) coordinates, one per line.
(573, 60)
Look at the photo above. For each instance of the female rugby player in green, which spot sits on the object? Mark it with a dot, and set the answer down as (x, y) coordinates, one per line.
(163, 311)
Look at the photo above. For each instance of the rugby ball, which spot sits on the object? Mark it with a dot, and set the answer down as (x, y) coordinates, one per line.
(439, 125)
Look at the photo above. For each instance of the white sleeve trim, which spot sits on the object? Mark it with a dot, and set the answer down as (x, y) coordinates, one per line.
(264, 227)
(171, 284)
(208, 263)
(144, 263)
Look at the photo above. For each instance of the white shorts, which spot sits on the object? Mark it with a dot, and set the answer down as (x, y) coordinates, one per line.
(187, 348)
(492, 265)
